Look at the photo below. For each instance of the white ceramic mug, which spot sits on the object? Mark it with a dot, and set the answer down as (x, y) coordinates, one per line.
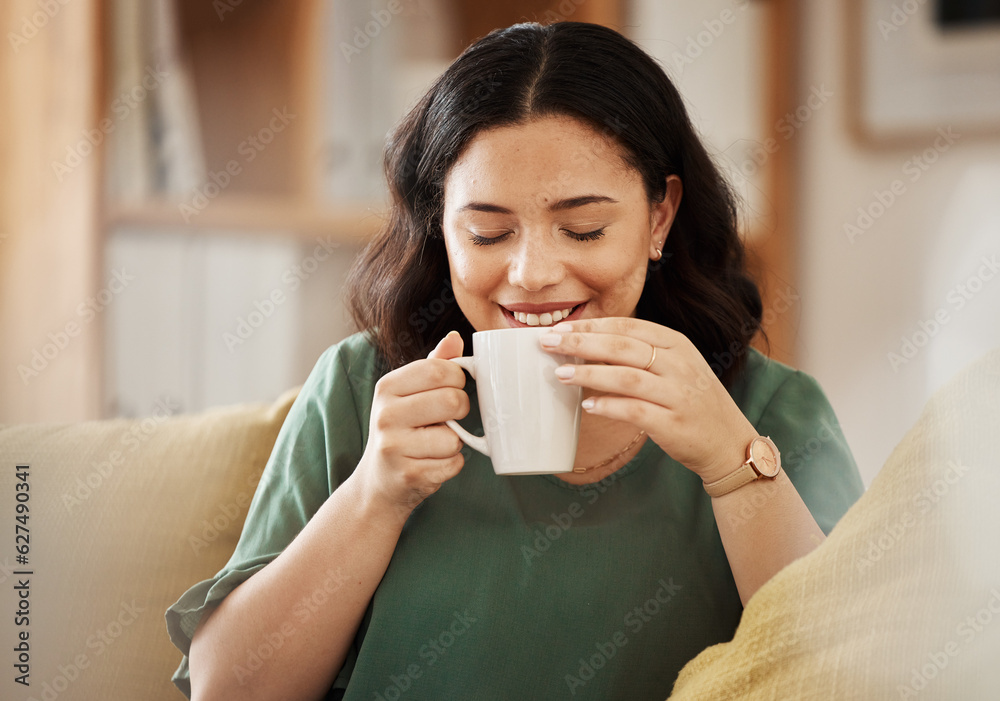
(531, 419)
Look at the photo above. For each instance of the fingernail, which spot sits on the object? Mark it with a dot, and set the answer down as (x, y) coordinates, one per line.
(562, 327)
(550, 340)
(588, 403)
(565, 372)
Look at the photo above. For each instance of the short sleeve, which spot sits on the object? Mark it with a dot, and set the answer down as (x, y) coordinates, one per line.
(814, 453)
(317, 448)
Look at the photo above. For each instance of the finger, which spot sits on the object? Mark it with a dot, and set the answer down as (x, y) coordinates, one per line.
(426, 408)
(646, 415)
(451, 346)
(617, 380)
(421, 376)
(608, 348)
(433, 442)
(640, 329)
(441, 470)
(433, 473)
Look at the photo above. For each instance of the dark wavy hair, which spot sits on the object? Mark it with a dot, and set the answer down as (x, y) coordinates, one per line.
(399, 288)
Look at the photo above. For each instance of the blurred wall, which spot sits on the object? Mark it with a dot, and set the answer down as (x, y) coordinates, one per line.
(863, 298)
(50, 263)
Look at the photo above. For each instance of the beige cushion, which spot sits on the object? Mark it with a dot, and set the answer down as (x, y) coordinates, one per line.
(124, 517)
(903, 599)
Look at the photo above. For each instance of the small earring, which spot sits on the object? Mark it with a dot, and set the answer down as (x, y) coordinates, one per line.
(659, 254)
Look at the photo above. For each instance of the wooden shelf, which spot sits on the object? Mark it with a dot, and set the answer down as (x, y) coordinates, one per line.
(259, 59)
(348, 224)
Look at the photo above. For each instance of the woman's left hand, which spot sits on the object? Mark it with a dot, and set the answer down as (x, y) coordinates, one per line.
(654, 377)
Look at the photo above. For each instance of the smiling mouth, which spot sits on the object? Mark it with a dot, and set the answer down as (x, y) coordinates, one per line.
(543, 319)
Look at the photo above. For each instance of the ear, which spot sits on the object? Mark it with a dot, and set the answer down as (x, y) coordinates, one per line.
(661, 216)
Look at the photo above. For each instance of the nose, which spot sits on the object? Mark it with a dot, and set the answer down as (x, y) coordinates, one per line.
(536, 262)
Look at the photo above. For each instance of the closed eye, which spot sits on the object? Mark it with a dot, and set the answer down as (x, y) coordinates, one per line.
(586, 236)
(579, 236)
(488, 240)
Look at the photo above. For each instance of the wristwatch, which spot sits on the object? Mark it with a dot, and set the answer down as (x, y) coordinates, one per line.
(763, 461)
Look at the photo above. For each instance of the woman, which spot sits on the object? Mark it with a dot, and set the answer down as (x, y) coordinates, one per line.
(549, 177)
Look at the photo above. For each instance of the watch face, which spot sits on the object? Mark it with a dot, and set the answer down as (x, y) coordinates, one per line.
(765, 457)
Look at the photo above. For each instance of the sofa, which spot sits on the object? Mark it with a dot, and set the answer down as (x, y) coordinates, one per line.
(124, 516)
(901, 601)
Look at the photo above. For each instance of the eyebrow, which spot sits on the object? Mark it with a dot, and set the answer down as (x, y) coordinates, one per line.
(557, 206)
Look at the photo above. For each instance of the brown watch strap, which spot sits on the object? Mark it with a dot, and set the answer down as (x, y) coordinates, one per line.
(745, 474)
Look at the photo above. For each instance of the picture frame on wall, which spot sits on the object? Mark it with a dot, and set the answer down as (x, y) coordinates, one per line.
(922, 65)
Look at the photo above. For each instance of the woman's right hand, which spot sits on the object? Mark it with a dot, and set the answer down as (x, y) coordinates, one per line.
(410, 451)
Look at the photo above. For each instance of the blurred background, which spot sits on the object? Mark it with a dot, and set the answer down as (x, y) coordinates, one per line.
(184, 184)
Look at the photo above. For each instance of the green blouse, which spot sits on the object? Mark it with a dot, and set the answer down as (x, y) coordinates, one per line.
(526, 587)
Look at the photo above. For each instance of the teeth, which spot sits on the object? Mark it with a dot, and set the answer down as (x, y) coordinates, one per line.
(544, 319)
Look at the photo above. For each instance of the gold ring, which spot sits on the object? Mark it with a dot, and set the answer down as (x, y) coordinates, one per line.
(651, 359)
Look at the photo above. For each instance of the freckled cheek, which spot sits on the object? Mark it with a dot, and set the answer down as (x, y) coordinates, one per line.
(618, 285)
(474, 280)
(614, 273)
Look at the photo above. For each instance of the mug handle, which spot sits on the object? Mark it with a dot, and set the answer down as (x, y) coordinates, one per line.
(467, 363)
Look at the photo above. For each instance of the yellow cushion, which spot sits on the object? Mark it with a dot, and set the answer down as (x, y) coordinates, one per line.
(903, 599)
(125, 515)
